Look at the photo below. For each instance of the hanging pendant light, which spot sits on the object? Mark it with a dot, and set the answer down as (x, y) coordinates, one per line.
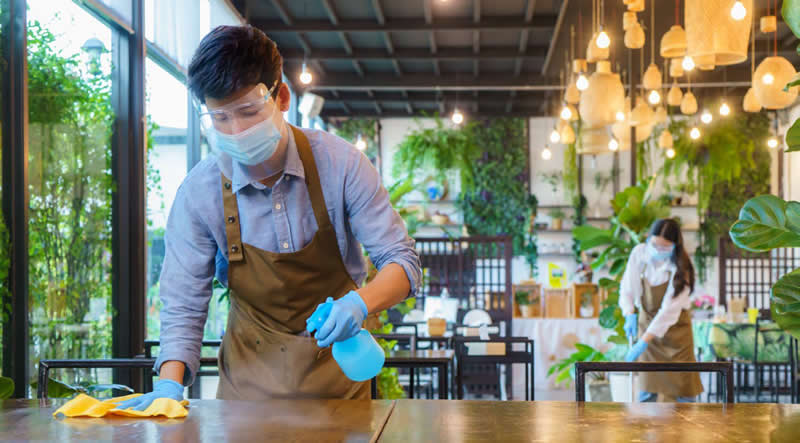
(546, 154)
(711, 32)
(628, 19)
(613, 145)
(641, 114)
(688, 104)
(652, 77)
(772, 142)
(673, 43)
(636, 5)
(361, 145)
(704, 62)
(674, 96)
(724, 109)
(457, 117)
(567, 134)
(305, 75)
(634, 37)
(738, 11)
(687, 63)
(676, 67)
(595, 53)
(555, 137)
(768, 24)
(603, 41)
(582, 83)
(665, 139)
(706, 117)
(565, 113)
(750, 102)
(670, 153)
(579, 65)
(660, 115)
(694, 133)
(572, 95)
(593, 141)
(654, 97)
(769, 80)
(603, 98)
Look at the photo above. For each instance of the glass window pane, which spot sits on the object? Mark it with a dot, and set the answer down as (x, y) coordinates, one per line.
(122, 7)
(70, 124)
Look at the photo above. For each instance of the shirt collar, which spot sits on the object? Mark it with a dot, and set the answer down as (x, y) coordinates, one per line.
(293, 166)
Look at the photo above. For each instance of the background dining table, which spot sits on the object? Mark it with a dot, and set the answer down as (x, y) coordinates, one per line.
(415, 421)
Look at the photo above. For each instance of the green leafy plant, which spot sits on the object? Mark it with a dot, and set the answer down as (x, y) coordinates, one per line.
(521, 297)
(553, 179)
(791, 16)
(352, 128)
(579, 204)
(6, 388)
(767, 222)
(564, 369)
(570, 175)
(60, 389)
(557, 213)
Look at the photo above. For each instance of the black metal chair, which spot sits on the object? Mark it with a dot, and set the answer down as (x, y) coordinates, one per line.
(115, 363)
(774, 369)
(725, 369)
(481, 373)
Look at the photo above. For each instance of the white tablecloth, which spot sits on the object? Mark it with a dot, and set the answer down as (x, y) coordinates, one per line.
(553, 339)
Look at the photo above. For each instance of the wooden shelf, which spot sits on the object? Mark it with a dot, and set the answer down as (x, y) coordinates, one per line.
(556, 231)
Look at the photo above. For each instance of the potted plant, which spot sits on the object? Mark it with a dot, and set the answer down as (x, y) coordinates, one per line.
(523, 302)
(557, 215)
(552, 179)
(587, 305)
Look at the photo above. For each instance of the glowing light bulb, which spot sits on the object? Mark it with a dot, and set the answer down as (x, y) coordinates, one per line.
(694, 133)
(772, 142)
(566, 114)
(768, 78)
(602, 40)
(724, 109)
(738, 11)
(654, 97)
(620, 116)
(360, 143)
(555, 137)
(458, 117)
(613, 145)
(670, 153)
(687, 63)
(546, 154)
(706, 117)
(582, 83)
(305, 76)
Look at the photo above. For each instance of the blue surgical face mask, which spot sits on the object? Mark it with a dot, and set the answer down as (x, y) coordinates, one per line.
(659, 255)
(250, 147)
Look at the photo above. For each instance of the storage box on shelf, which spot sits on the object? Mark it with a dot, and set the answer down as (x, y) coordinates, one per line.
(586, 300)
(534, 291)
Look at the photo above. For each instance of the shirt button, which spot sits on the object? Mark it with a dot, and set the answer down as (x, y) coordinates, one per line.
(278, 206)
(285, 245)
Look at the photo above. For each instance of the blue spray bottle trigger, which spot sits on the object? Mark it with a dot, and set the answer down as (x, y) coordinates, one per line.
(319, 316)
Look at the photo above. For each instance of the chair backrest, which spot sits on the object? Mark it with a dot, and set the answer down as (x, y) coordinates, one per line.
(115, 363)
(478, 360)
(477, 317)
(404, 341)
(723, 368)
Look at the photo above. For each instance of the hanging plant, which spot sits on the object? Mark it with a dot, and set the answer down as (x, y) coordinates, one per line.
(366, 128)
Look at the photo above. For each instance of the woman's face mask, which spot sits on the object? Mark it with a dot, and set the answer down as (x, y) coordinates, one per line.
(659, 249)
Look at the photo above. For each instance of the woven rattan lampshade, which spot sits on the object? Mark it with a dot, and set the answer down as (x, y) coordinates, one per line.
(675, 68)
(572, 94)
(674, 96)
(641, 113)
(622, 132)
(634, 37)
(750, 102)
(652, 77)
(660, 115)
(636, 5)
(579, 65)
(567, 134)
(594, 52)
(574, 116)
(603, 98)
(770, 94)
(688, 104)
(594, 141)
(628, 20)
(705, 62)
(673, 43)
(711, 31)
(665, 139)
(769, 23)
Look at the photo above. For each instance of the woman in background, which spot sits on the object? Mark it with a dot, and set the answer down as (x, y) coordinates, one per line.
(658, 280)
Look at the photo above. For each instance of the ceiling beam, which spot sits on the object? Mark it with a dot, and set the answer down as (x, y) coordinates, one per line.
(464, 53)
(282, 12)
(428, 9)
(498, 98)
(376, 6)
(494, 23)
(561, 14)
(384, 82)
(462, 101)
(476, 36)
(337, 114)
(387, 38)
(523, 36)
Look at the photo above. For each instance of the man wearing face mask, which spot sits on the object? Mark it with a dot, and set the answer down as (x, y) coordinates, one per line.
(279, 214)
(658, 280)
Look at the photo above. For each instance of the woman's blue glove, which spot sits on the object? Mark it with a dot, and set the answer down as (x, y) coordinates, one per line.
(162, 389)
(636, 350)
(344, 320)
(631, 325)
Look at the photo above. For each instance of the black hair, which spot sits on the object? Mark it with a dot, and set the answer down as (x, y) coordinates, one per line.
(230, 58)
(671, 230)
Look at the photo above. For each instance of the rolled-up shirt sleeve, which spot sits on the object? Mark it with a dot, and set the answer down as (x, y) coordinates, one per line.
(185, 286)
(630, 290)
(375, 223)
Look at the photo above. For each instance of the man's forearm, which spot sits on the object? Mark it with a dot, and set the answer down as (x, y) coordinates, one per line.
(389, 287)
(172, 370)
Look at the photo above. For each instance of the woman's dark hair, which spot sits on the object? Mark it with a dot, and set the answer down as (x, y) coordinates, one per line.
(230, 58)
(670, 230)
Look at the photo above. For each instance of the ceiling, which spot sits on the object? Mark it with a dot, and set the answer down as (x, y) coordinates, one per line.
(389, 58)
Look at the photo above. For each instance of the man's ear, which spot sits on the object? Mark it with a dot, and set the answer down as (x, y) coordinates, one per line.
(284, 97)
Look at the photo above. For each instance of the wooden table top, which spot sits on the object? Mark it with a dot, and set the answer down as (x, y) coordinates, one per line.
(517, 421)
(409, 421)
(432, 356)
(212, 421)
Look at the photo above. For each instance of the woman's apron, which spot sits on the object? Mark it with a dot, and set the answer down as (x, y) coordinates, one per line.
(265, 353)
(677, 345)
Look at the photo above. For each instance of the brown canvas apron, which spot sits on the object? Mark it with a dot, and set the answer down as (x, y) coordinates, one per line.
(263, 354)
(676, 345)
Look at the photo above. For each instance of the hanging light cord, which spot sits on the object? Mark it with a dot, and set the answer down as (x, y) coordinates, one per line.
(753, 46)
(652, 31)
(775, 34)
(677, 12)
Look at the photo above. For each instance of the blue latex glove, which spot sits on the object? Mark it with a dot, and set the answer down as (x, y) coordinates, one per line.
(636, 350)
(344, 320)
(162, 389)
(631, 325)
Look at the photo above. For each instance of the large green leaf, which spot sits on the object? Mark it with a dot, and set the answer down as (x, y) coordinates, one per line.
(6, 388)
(785, 302)
(767, 222)
(793, 137)
(791, 15)
(607, 319)
(57, 389)
(591, 236)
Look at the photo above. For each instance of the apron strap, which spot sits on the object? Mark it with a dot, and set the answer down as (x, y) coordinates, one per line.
(232, 229)
(312, 179)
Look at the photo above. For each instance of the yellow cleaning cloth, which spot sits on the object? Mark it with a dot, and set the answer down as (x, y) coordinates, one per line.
(85, 406)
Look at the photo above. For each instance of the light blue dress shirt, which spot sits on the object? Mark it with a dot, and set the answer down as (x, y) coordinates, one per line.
(278, 219)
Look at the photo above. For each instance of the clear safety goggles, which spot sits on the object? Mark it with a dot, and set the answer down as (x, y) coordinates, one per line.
(249, 110)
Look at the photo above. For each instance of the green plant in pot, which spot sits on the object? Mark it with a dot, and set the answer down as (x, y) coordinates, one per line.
(557, 216)
(524, 303)
(553, 179)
